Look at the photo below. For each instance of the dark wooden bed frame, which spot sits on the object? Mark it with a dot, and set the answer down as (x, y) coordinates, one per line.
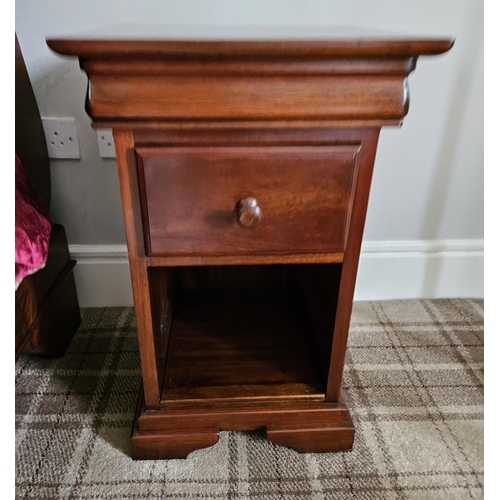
(47, 310)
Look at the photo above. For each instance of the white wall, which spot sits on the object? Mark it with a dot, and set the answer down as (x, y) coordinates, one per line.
(427, 195)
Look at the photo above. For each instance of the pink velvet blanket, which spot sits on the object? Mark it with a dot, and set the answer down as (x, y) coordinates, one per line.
(32, 227)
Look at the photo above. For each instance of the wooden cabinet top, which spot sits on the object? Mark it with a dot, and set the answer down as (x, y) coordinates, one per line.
(316, 76)
(245, 41)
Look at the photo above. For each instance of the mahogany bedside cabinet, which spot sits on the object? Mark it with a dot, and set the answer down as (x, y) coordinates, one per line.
(245, 168)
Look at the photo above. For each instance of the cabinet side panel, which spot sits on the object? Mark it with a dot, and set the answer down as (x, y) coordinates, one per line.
(319, 285)
(129, 188)
(162, 289)
(350, 263)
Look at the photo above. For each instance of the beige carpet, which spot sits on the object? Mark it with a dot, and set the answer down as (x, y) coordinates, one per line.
(413, 379)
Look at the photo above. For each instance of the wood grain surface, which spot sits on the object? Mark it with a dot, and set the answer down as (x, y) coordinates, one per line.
(249, 302)
(241, 345)
(192, 197)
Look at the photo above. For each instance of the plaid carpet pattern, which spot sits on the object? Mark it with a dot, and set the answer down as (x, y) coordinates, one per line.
(413, 380)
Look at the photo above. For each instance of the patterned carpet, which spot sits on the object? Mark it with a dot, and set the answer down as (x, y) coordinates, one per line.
(413, 380)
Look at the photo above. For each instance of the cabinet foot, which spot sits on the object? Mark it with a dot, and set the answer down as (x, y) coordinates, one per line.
(315, 439)
(171, 444)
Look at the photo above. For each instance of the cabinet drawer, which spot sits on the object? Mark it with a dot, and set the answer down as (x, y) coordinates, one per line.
(246, 200)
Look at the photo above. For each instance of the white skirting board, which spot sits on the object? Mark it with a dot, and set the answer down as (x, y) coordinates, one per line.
(388, 270)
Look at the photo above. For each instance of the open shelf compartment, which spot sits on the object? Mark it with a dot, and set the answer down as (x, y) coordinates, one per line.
(247, 335)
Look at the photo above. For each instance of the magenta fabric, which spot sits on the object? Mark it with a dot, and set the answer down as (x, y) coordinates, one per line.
(32, 227)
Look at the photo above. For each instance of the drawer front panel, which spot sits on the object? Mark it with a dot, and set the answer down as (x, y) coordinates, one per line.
(247, 200)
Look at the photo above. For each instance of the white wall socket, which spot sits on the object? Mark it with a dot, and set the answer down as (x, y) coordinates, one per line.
(62, 138)
(106, 143)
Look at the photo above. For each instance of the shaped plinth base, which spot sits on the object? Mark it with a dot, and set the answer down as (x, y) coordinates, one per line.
(175, 433)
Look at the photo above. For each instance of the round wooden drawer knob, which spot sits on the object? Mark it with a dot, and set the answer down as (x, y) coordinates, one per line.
(249, 214)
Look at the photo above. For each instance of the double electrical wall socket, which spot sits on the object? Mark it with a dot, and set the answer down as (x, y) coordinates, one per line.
(106, 143)
(61, 137)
